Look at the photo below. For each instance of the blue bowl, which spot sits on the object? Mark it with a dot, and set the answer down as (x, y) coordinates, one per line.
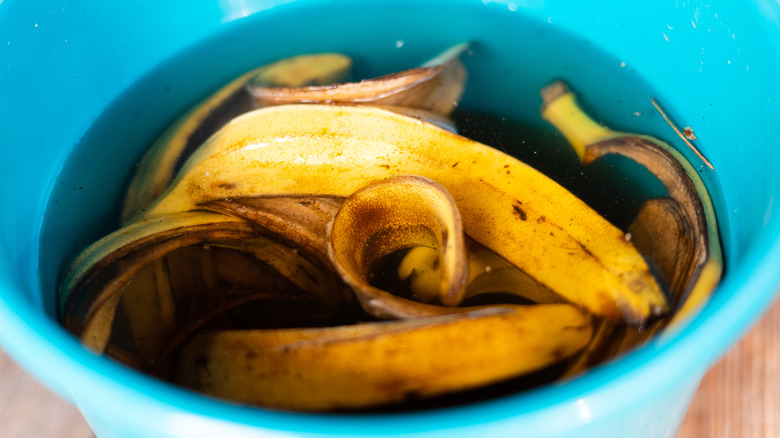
(84, 87)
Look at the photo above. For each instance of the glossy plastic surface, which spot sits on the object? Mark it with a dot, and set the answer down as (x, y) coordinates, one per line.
(62, 65)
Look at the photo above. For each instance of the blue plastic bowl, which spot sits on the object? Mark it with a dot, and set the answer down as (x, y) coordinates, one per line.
(84, 86)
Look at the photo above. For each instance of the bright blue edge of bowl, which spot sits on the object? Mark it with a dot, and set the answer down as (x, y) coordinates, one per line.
(40, 346)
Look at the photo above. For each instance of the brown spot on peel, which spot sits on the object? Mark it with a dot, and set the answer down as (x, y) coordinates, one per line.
(519, 211)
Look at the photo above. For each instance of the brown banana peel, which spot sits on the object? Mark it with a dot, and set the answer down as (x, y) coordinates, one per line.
(394, 214)
(157, 167)
(114, 246)
(661, 232)
(373, 364)
(436, 89)
(303, 222)
(89, 310)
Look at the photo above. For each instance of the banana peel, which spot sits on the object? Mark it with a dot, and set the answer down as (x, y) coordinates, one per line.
(693, 209)
(90, 302)
(379, 363)
(390, 215)
(157, 166)
(304, 222)
(661, 232)
(679, 232)
(507, 206)
(97, 257)
(302, 188)
(435, 89)
(488, 273)
(429, 92)
(415, 213)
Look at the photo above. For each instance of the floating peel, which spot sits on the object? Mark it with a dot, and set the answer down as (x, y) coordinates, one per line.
(90, 309)
(378, 363)
(679, 232)
(429, 92)
(693, 208)
(158, 165)
(394, 214)
(505, 205)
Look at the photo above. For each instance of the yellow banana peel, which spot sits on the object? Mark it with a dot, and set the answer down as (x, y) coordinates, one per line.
(157, 167)
(697, 277)
(507, 206)
(372, 364)
(429, 92)
(394, 214)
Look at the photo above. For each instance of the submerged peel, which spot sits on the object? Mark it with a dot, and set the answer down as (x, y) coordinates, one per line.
(703, 269)
(488, 273)
(303, 222)
(158, 165)
(507, 206)
(373, 364)
(436, 86)
(394, 214)
(429, 92)
(89, 310)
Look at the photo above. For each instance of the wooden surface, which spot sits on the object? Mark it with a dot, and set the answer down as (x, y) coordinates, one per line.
(28, 410)
(739, 397)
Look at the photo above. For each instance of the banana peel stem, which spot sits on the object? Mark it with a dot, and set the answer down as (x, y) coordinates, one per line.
(560, 108)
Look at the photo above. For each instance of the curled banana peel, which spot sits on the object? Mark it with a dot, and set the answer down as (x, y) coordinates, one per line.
(693, 213)
(370, 225)
(303, 222)
(488, 273)
(429, 92)
(435, 88)
(271, 284)
(122, 242)
(679, 233)
(507, 206)
(364, 365)
(91, 290)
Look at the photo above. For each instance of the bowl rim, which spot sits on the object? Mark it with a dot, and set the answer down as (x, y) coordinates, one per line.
(40, 344)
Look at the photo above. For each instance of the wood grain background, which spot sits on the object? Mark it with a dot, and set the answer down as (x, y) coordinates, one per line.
(738, 398)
